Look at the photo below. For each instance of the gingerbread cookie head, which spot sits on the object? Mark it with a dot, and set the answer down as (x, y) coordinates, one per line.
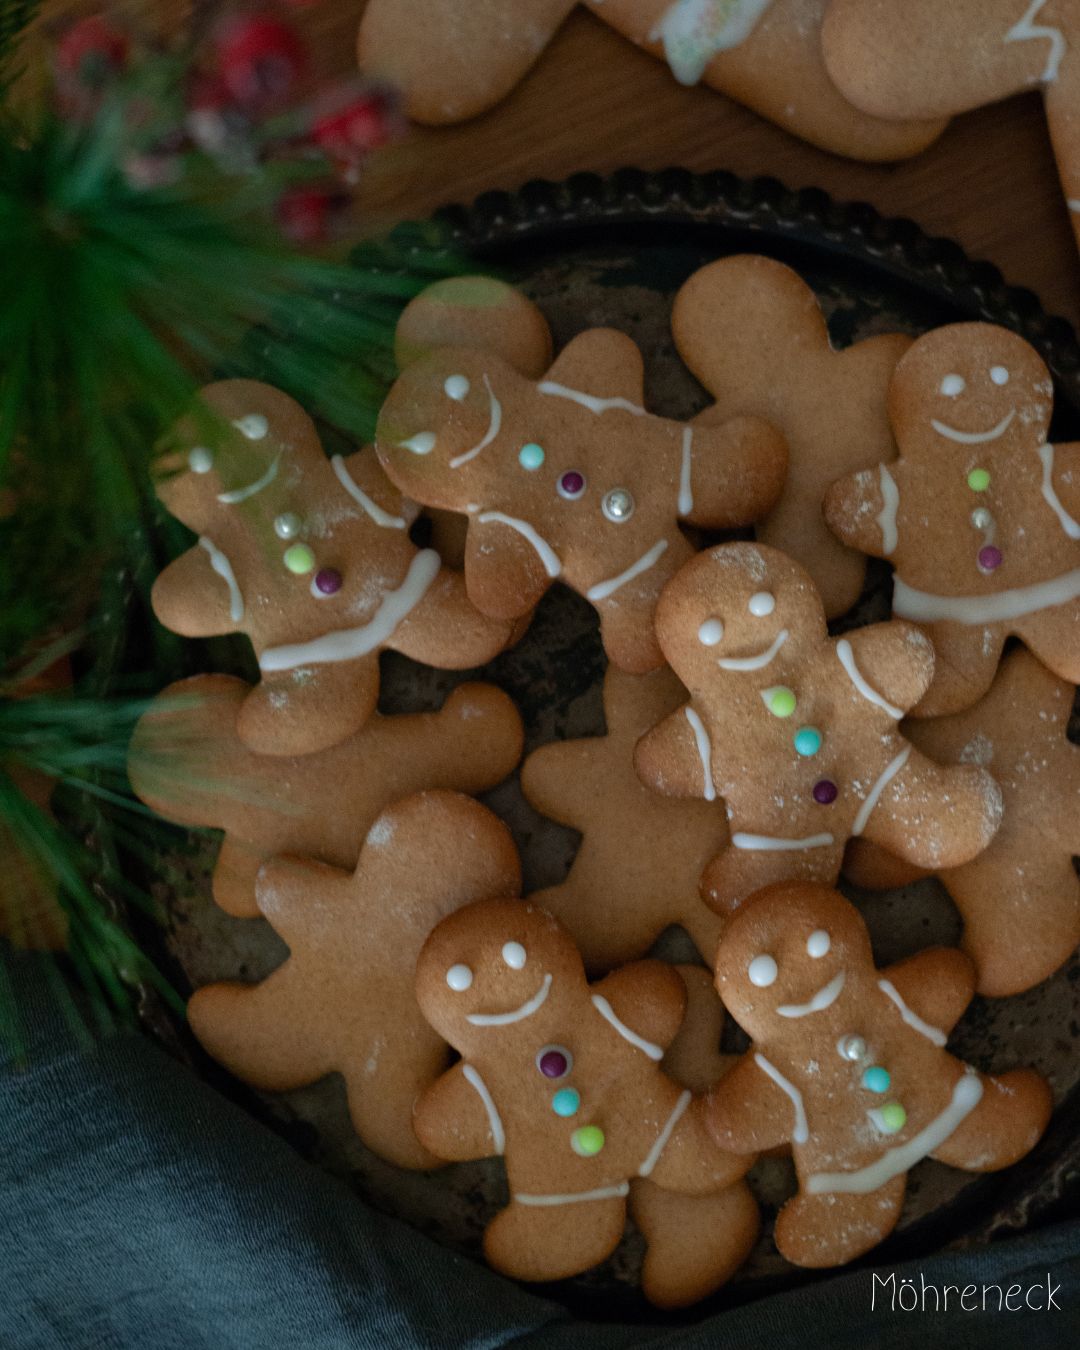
(475, 312)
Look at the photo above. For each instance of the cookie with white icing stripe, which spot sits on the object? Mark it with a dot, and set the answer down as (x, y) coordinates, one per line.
(849, 1066)
(456, 58)
(980, 515)
(753, 333)
(188, 763)
(642, 854)
(343, 1000)
(564, 1080)
(571, 479)
(1020, 900)
(922, 58)
(797, 732)
(311, 559)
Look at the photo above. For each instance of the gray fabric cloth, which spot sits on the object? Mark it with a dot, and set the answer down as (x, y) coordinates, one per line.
(139, 1208)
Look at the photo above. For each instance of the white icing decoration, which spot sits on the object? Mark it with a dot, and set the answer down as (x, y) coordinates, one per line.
(548, 556)
(952, 386)
(965, 1097)
(912, 1019)
(602, 1193)
(494, 426)
(824, 998)
(1027, 30)
(909, 603)
(604, 1008)
(665, 1134)
(456, 387)
(518, 1015)
(999, 375)
(513, 953)
(254, 426)
(818, 944)
(374, 510)
(594, 405)
(973, 437)
(223, 568)
(762, 971)
(801, 1133)
(761, 604)
(758, 662)
(694, 31)
(886, 517)
(349, 643)
(1068, 523)
(421, 444)
(704, 749)
(1074, 203)
(847, 660)
(459, 977)
(498, 1134)
(889, 773)
(200, 460)
(686, 495)
(242, 494)
(711, 632)
(603, 589)
(767, 843)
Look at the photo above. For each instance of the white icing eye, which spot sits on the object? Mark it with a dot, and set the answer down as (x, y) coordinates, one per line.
(254, 426)
(421, 444)
(459, 978)
(710, 632)
(200, 460)
(456, 387)
(818, 944)
(999, 375)
(762, 971)
(761, 605)
(952, 386)
(513, 953)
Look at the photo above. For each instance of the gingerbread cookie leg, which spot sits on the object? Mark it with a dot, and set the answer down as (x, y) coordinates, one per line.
(626, 625)
(829, 1230)
(760, 860)
(505, 575)
(561, 1237)
(1006, 1124)
(1051, 636)
(448, 631)
(281, 713)
(966, 660)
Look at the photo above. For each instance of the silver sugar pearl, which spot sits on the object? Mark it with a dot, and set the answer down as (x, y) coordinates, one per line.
(287, 526)
(852, 1048)
(618, 505)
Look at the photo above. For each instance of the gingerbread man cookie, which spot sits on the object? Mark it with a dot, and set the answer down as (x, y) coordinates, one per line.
(188, 763)
(562, 1079)
(980, 515)
(343, 1000)
(571, 478)
(1020, 900)
(922, 58)
(753, 333)
(456, 58)
(848, 1065)
(309, 557)
(641, 854)
(797, 731)
(478, 312)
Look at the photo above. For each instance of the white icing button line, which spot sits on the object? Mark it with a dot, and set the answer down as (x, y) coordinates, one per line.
(548, 556)
(686, 496)
(908, 603)
(494, 424)
(349, 643)
(912, 1019)
(767, 843)
(603, 589)
(847, 660)
(374, 510)
(886, 517)
(965, 1097)
(801, 1133)
(1026, 30)
(1068, 524)
(498, 1134)
(223, 568)
(601, 1193)
(518, 1015)
(242, 494)
(824, 998)
(665, 1134)
(973, 437)
(604, 1008)
(595, 405)
(890, 772)
(704, 749)
(758, 662)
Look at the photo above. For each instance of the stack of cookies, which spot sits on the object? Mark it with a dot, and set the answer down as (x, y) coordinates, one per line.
(749, 758)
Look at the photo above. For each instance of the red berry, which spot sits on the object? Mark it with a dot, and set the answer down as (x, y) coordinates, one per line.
(349, 125)
(306, 212)
(89, 52)
(259, 58)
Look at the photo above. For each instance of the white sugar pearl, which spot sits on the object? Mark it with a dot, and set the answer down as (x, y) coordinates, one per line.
(818, 944)
(851, 1048)
(710, 632)
(762, 971)
(761, 605)
(513, 953)
(952, 386)
(999, 375)
(459, 978)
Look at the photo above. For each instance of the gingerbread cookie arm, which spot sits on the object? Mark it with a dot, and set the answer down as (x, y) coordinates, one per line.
(738, 469)
(601, 363)
(675, 757)
(889, 663)
(456, 1118)
(648, 998)
(860, 514)
(447, 631)
(748, 1112)
(194, 597)
(1061, 463)
(1006, 1123)
(936, 985)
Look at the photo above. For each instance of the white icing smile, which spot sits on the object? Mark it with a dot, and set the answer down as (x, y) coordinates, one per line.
(974, 437)
(518, 1015)
(494, 427)
(758, 662)
(824, 998)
